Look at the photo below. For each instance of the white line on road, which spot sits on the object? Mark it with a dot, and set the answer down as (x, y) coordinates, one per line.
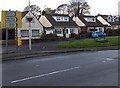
(38, 76)
(109, 59)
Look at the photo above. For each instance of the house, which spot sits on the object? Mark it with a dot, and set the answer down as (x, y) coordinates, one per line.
(114, 21)
(60, 24)
(89, 23)
(36, 27)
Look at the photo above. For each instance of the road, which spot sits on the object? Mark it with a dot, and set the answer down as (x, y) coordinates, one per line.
(97, 68)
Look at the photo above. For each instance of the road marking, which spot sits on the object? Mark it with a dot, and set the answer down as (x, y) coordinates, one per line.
(38, 76)
(109, 59)
(104, 61)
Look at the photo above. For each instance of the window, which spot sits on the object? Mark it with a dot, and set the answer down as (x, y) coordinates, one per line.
(72, 30)
(24, 33)
(58, 18)
(35, 33)
(90, 19)
(66, 18)
(58, 31)
(61, 18)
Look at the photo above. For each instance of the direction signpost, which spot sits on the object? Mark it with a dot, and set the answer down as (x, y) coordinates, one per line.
(11, 20)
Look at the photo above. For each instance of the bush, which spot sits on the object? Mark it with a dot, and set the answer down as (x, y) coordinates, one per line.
(73, 35)
(48, 36)
(85, 35)
(112, 32)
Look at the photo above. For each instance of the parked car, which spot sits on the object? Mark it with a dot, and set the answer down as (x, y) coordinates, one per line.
(98, 34)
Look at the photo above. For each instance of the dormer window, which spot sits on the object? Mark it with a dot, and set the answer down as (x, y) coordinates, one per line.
(61, 18)
(90, 19)
(112, 19)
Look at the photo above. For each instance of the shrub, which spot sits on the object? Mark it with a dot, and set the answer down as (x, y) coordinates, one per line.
(85, 34)
(73, 35)
(48, 36)
(114, 32)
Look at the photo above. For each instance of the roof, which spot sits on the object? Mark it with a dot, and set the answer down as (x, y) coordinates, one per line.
(71, 23)
(111, 23)
(90, 24)
(24, 13)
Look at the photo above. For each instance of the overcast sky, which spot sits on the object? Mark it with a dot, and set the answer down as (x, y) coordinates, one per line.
(97, 6)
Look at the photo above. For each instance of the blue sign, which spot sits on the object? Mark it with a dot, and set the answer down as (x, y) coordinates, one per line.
(11, 25)
(11, 19)
(10, 13)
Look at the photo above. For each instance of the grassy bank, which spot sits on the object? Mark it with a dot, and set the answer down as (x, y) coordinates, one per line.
(87, 43)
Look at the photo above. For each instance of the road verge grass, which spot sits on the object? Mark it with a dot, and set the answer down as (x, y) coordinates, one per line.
(88, 43)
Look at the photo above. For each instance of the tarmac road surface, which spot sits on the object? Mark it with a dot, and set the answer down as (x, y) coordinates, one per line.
(97, 68)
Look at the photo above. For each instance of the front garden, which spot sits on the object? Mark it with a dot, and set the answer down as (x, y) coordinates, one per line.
(87, 43)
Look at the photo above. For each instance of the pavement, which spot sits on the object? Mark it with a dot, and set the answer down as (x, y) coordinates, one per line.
(43, 49)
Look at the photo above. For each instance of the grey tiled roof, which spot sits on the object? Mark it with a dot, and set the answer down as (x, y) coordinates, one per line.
(90, 24)
(24, 13)
(71, 23)
(111, 23)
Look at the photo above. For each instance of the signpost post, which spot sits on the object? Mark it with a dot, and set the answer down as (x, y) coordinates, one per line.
(11, 20)
(29, 19)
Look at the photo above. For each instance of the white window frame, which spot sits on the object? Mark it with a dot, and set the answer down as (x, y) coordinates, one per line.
(72, 30)
(35, 35)
(61, 18)
(58, 30)
(25, 34)
(90, 19)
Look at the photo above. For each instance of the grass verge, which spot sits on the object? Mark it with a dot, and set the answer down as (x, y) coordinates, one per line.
(88, 43)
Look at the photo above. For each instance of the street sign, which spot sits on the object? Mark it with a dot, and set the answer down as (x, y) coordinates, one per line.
(11, 19)
(11, 25)
(29, 19)
(10, 13)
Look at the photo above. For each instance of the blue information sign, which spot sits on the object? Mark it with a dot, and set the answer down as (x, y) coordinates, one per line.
(10, 13)
(11, 19)
(11, 25)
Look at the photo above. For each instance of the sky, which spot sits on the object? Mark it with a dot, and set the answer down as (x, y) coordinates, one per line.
(106, 7)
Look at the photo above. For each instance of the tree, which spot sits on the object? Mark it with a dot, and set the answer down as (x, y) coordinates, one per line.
(63, 9)
(75, 7)
(49, 10)
(34, 9)
(80, 6)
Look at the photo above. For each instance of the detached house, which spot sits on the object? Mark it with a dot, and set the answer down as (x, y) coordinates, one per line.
(60, 24)
(114, 21)
(36, 27)
(89, 23)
